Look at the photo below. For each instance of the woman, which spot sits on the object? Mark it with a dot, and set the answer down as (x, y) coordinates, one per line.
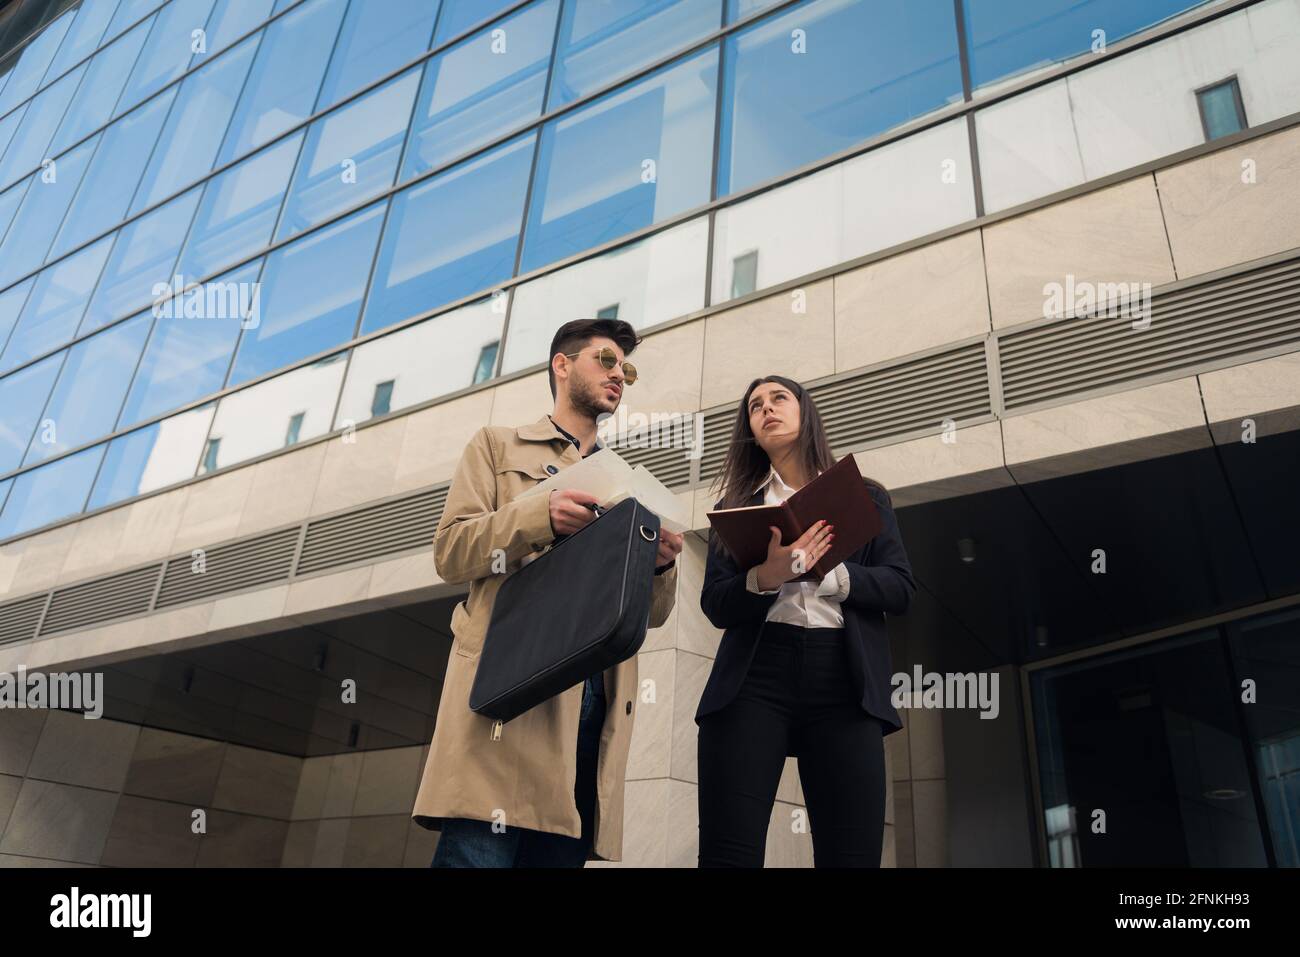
(804, 667)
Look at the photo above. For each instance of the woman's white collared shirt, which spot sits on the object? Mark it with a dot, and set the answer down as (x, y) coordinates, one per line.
(806, 604)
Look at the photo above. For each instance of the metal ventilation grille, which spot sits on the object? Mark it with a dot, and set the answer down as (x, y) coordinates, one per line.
(717, 433)
(18, 618)
(372, 532)
(90, 603)
(904, 398)
(227, 568)
(896, 400)
(670, 466)
(1228, 318)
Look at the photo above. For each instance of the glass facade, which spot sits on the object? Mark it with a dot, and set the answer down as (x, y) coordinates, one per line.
(1160, 731)
(205, 204)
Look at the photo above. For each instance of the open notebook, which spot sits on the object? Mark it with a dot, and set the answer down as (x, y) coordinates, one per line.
(838, 495)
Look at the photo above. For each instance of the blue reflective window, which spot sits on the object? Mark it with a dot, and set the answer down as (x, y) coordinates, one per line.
(109, 183)
(350, 155)
(188, 354)
(84, 36)
(601, 41)
(738, 9)
(40, 214)
(105, 76)
(286, 76)
(282, 4)
(4, 492)
(25, 78)
(30, 144)
(459, 15)
(142, 260)
(187, 148)
(369, 46)
(1221, 109)
(50, 493)
(451, 235)
(239, 210)
(90, 390)
(55, 306)
(230, 20)
(311, 294)
(487, 361)
(22, 399)
(129, 12)
(865, 68)
(151, 458)
(1006, 37)
(168, 51)
(478, 90)
(624, 161)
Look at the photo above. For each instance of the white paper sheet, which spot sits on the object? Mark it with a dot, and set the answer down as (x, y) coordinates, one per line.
(607, 476)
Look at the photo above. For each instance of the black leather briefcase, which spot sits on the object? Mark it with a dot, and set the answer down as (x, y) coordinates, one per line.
(571, 613)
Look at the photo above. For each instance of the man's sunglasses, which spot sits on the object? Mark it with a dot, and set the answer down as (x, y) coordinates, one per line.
(608, 358)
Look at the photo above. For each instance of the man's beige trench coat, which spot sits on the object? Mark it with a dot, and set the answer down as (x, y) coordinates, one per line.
(520, 773)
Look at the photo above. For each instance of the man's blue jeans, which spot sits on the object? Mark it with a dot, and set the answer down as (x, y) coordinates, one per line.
(468, 843)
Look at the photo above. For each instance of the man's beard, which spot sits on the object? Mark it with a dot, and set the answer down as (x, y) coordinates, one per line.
(587, 400)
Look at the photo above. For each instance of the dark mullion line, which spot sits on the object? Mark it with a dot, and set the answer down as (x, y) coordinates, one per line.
(528, 189)
(719, 96)
(967, 92)
(963, 51)
(577, 258)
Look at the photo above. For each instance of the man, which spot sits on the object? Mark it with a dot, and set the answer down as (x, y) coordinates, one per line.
(545, 789)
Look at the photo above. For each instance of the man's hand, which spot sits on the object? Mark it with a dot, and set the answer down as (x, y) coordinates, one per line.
(570, 510)
(670, 546)
(780, 565)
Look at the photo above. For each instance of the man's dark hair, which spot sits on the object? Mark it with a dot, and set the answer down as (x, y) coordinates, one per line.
(573, 337)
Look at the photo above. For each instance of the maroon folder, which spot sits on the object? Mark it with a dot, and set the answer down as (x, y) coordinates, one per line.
(838, 495)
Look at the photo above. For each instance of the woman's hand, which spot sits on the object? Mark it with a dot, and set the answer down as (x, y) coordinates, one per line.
(780, 566)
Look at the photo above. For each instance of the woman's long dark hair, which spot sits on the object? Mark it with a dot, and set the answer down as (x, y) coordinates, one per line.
(746, 464)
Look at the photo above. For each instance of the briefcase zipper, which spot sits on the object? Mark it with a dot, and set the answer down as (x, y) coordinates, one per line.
(496, 730)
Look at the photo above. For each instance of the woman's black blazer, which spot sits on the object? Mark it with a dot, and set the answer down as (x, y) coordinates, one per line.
(880, 583)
